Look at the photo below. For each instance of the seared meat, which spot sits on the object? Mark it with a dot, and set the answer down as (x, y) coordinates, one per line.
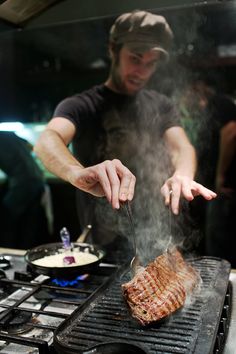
(186, 274)
(161, 288)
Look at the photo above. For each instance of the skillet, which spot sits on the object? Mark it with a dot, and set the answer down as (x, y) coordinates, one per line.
(65, 272)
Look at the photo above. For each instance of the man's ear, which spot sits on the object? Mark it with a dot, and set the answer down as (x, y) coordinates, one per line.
(111, 50)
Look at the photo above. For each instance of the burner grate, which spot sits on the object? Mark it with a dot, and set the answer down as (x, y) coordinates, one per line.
(192, 329)
(44, 307)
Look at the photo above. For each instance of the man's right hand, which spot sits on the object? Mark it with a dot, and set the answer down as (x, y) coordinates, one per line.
(109, 178)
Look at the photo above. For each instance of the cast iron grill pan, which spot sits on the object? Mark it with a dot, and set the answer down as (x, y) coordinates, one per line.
(193, 329)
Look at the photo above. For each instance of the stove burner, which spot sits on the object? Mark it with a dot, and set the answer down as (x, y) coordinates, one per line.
(15, 322)
(31, 308)
(69, 283)
(4, 263)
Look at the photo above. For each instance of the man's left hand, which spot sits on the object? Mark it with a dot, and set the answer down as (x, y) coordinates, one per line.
(179, 186)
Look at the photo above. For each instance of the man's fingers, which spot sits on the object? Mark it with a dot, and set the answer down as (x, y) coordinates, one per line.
(165, 191)
(174, 198)
(131, 188)
(126, 188)
(117, 182)
(109, 178)
(127, 182)
(102, 178)
(199, 189)
(183, 186)
(187, 193)
(114, 184)
(171, 195)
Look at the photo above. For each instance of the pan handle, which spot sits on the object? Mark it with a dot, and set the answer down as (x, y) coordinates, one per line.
(84, 234)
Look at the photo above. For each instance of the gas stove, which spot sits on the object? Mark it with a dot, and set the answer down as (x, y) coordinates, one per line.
(33, 306)
(41, 315)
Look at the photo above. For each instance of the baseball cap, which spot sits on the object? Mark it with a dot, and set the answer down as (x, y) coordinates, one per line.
(142, 31)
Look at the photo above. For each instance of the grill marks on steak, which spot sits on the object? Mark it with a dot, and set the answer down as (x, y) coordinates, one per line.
(161, 288)
(185, 272)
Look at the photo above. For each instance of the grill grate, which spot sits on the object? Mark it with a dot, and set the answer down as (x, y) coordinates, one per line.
(192, 329)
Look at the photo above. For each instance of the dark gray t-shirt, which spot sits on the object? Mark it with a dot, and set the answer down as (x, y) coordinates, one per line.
(128, 128)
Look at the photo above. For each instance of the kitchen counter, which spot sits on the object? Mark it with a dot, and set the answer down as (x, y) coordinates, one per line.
(231, 339)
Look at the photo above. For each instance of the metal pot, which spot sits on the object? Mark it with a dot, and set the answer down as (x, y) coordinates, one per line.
(65, 272)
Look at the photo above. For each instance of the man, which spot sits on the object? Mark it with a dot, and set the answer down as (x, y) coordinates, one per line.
(119, 127)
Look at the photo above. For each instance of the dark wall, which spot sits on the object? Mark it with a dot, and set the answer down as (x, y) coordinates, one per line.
(50, 59)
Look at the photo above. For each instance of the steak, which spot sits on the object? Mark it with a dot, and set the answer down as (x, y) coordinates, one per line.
(161, 288)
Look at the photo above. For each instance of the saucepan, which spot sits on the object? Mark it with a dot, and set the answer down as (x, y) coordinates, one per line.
(66, 271)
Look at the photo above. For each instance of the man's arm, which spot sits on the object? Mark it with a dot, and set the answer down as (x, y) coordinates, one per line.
(109, 178)
(182, 183)
(52, 150)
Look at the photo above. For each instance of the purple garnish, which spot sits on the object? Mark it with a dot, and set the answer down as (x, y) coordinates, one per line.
(68, 260)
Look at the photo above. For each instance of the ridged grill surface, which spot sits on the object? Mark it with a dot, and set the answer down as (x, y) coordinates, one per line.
(189, 330)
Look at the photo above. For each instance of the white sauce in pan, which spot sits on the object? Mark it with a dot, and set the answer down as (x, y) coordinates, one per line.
(56, 260)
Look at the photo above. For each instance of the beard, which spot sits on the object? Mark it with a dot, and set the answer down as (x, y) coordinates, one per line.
(119, 85)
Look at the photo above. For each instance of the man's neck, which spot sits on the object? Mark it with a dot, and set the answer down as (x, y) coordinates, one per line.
(109, 83)
(111, 86)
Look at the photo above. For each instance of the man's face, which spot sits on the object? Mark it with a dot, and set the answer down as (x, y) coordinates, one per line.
(131, 71)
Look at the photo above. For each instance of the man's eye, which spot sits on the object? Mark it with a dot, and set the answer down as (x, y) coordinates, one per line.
(152, 65)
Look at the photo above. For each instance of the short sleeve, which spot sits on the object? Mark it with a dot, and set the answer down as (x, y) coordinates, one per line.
(69, 108)
(169, 114)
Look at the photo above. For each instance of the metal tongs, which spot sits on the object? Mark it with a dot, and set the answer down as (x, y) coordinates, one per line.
(135, 262)
(68, 247)
(169, 243)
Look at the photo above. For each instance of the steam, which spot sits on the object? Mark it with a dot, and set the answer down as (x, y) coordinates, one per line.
(154, 227)
(149, 159)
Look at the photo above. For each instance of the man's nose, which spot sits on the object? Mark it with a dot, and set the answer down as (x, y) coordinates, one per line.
(143, 72)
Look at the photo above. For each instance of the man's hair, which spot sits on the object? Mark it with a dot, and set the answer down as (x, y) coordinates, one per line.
(116, 47)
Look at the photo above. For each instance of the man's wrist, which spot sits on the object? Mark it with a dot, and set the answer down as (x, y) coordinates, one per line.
(180, 174)
(72, 172)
